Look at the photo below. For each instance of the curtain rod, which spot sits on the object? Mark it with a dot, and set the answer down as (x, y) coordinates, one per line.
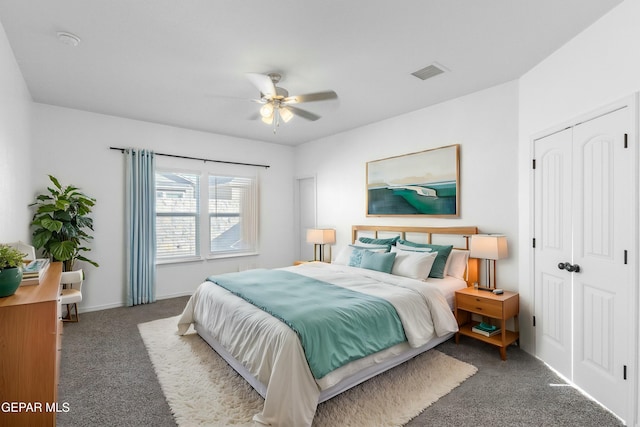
(122, 150)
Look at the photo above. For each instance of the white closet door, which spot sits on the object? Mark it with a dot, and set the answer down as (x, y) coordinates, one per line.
(553, 292)
(585, 230)
(603, 223)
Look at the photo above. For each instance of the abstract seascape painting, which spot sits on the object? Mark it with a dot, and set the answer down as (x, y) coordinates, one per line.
(423, 183)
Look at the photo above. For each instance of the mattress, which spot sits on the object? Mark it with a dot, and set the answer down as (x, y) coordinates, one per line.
(269, 354)
(448, 287)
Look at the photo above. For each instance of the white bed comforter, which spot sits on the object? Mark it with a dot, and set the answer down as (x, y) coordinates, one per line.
(272, 352)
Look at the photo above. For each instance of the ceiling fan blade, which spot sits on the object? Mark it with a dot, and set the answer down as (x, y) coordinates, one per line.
(303, 113)
(311, 97)
(263, 83)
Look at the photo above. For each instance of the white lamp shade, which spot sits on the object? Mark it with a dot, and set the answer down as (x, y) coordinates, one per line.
(321, 236)
(266, 110)
(488, 246)
(286, 114)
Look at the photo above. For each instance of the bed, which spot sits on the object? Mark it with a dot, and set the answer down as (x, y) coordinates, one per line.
(294, 373)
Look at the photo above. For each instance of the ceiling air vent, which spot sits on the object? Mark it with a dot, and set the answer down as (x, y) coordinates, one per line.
(429, 71)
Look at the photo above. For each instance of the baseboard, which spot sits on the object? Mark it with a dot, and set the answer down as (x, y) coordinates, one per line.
(87, 309)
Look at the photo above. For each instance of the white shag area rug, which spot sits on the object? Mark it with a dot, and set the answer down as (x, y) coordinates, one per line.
(203, 390)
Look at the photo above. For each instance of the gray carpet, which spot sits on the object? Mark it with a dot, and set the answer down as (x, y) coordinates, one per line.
(107, 379)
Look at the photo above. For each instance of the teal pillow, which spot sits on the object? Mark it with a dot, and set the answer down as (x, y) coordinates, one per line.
(414, 244)
(372, 246)
(437, 270)
(356, 257)
(356, 254)
(378, 261)
(390, 241)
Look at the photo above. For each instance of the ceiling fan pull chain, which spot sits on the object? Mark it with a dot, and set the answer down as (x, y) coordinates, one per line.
(276, 120)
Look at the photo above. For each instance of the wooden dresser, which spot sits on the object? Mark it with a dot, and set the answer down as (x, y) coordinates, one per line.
(30, 343)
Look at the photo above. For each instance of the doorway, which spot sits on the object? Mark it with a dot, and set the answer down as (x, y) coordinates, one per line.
(305, 215)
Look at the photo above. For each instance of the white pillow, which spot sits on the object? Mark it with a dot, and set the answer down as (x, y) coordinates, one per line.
(372, 246)
(415, 265)
(344, 255)
(412, 248)
(457, 263)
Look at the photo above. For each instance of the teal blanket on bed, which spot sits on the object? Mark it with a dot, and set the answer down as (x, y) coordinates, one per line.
(335, 325)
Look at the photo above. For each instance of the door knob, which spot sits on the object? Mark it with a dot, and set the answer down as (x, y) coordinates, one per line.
(575, 268)
(570, 268)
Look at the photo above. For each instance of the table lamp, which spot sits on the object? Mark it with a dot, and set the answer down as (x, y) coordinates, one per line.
(489, 247)
(320, 237)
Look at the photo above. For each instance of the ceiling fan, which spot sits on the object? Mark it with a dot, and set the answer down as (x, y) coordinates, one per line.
(277, 105)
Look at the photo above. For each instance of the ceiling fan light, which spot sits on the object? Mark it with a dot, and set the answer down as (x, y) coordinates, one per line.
(285, 114)
(267, 111)
(268, 120)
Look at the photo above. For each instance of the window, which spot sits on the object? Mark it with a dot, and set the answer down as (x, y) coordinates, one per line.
(220, 219)
(232, 214)
(177, 215)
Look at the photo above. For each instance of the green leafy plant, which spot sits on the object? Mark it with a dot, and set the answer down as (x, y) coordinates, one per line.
(10, 257)
(61, 222)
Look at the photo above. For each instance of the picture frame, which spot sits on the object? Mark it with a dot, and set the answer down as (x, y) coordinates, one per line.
(425, 183)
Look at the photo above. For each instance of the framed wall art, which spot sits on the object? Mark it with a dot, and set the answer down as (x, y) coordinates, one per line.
(423, 183)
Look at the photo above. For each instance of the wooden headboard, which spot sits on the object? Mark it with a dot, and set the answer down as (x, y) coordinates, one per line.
(457, 236)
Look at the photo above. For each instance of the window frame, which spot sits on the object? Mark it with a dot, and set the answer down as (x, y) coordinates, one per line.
(203, 215)
(196, 215)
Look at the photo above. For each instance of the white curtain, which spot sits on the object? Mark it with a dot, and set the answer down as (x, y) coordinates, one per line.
(141, 226)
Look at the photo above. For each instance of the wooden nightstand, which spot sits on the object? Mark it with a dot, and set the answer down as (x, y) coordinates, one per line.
(486, 304)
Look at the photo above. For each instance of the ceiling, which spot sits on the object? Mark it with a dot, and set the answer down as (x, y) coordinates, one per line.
(183, 63)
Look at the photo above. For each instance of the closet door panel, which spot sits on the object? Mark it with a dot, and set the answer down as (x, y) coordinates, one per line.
(553, 297)
(603, 224)
(598, 196)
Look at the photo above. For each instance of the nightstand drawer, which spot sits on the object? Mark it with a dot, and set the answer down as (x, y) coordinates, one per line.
(484, 306)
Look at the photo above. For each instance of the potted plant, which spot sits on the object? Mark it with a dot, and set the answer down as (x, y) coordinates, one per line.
(10, 270)
(61, 222)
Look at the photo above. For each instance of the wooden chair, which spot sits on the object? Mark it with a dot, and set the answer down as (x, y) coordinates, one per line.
(71, 293)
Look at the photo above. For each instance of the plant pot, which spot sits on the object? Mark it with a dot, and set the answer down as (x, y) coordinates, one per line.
(10, 279)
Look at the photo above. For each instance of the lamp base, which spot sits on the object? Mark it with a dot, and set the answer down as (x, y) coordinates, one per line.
(482, 288)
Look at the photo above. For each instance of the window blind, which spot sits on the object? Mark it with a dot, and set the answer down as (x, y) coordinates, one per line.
(232, 214)
(177, 210)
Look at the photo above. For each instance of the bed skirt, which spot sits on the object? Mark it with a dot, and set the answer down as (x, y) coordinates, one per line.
(389, 360)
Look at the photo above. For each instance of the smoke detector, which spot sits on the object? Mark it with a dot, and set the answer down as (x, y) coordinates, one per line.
(68, 38)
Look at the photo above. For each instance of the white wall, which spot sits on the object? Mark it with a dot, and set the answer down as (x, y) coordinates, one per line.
(493, 127)
(599, 66)
(485, 126)
(15, 153)
(74, 146)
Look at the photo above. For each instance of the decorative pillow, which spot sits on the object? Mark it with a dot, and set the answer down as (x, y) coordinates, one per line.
(414, 244)
(415, 265)
(356, 257)
(412, 248)
(390, 241)
(438, 268)
(457, 263)
(344, 255)
(372, 246)
(378, 261)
